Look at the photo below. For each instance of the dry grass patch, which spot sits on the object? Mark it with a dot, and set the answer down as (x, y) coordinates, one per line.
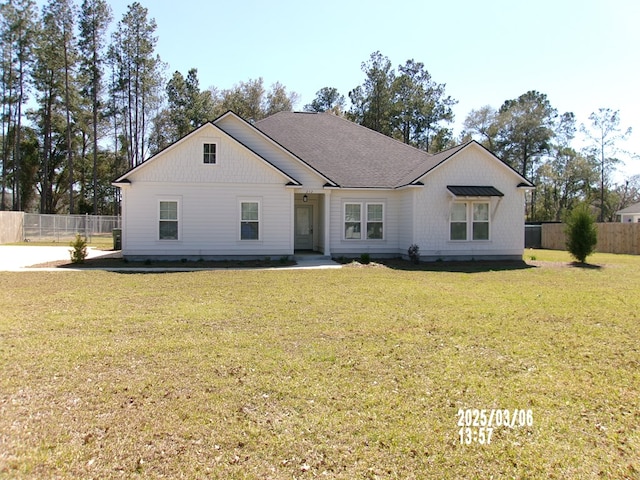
(352, 373)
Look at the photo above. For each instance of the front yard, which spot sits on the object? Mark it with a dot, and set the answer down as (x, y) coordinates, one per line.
(351, 373)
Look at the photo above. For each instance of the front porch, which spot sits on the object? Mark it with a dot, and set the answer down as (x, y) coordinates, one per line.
(311, 224)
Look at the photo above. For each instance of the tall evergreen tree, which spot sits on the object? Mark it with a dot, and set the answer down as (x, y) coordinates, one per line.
(18, 30)
(372, 102)
(604, 134)
(420, 105)
(408, 106)
(525, 130)
(188, 106)
(49, 81)
(328, 99)
(138, 79)
(95, 16)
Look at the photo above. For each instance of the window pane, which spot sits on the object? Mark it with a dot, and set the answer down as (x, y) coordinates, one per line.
(458, 231)
(168, 230)
(352, 230)
(374, 213)
(250, 211)
(209, 153)
(459, 212)
(481, 230)
(374, 230)
(168, 210)
(249, 231)
(481, 212)
(352, 212)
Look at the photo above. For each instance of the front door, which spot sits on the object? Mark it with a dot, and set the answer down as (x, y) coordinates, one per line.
(304, 227)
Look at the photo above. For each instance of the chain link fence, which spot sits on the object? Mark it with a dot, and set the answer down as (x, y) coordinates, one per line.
(58, 228)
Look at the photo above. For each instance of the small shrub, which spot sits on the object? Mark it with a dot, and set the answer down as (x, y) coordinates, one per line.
(147, 262)
(414, 253)
(79, 249)
(284, 259)
(365, 259)
(582, 235)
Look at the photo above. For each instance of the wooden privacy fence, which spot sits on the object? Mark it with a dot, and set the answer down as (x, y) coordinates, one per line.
(612, 237)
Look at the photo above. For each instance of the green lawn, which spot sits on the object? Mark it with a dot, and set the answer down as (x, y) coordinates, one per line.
(351, 373)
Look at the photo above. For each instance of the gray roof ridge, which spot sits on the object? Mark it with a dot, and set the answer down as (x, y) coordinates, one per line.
(352, 124)
(404, 145)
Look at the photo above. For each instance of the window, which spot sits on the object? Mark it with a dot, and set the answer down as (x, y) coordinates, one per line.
(459, 221)
(374, 221)
(480, 221)
(353, 219)
(249, 220)
(209, 153)
(168, 220)
(477, 229)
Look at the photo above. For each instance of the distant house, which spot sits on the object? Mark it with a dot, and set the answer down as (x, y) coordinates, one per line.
(631, 214)
(317, 182)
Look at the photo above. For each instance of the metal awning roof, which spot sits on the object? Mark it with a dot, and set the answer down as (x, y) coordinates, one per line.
(474, 191)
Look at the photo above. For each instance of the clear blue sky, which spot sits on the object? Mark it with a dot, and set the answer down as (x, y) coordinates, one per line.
(583, 54)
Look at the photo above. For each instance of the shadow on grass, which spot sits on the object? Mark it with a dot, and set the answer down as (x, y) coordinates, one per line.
(588, 266)
(477, 266)
(154, 266)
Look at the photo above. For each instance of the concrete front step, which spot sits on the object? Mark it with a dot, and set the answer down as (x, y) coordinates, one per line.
(304, 257)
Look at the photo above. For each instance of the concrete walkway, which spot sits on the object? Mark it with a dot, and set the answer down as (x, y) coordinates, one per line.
(21, 258)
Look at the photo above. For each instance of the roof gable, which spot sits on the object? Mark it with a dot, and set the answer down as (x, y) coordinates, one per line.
(253, 138)
(441, 157)
(202, 133)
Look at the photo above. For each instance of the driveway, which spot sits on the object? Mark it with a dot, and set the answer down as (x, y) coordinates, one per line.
(16, 258)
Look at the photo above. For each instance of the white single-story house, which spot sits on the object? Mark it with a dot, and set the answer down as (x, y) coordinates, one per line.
(631, 214)
(303, 182)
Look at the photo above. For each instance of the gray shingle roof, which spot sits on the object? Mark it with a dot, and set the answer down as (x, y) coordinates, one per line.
(347, 153)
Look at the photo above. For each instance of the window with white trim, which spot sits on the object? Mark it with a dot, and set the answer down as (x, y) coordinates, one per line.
(352, 221)
(249, 220)
(209, 153)
(371, 214)
(480, 228)
(168, 220)
(458, 224)
(460, 228)
(375, 214)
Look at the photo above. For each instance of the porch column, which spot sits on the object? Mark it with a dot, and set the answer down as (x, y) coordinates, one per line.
(327, 223)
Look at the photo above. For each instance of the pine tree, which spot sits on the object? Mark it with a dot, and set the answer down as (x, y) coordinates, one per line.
(136, 88)
(94, 20)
